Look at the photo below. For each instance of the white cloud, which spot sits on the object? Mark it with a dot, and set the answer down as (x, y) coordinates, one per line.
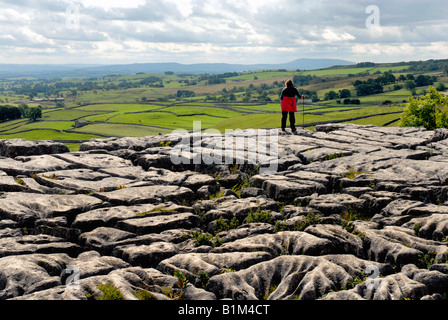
(333, 36)
(109, 4)
(249, 31)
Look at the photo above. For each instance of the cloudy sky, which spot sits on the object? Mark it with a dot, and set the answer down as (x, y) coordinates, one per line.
(229, 31)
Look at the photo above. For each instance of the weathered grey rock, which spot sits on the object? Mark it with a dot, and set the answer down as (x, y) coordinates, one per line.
(133, 173)
(210, 263)
(343, 242)
(9, 184)
(230, 180)
(21, 147)
(147, 161)
(34, 187)
(392, 287)
(285, 162)
(131, 143)
(161, 223)
(406, 171)
(76, 174)
(229, 207)
(91, 263)
(434, 281)
(434, 226)
(33, 164)
(119, 204)
(111, 241)
(429, 209)
(103, 239)
(109, 217)
(22, 275)
(252, 192)
(305, 277)
(288, 242)
(94, 161)
(397, 245)
(427, 194)
(195, 181)
(26, 209)
(442, 267)
(57, 227)
(400, 207)
(283, 190)
(204, 193)
(321, 154)
(30, 244)
(146, 256)
(128, 281)
(378, 200)
(357, 192)
(105, 185)
(433, 297)
(246, 230)
(337, 203)
(10, 233)
(324, 179)
(149, 194)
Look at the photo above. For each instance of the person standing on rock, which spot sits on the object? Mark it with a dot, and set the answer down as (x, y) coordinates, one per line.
(289, 105)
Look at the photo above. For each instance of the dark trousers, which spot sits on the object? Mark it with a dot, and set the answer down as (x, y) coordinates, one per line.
(292, 120)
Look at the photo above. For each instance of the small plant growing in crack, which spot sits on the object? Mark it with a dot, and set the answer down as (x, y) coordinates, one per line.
(52, 177)
(352, 174)
(19, 181)
(206, 239)
(110, 292)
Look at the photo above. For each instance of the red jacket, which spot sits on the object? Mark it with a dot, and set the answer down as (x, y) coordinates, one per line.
(289, 102)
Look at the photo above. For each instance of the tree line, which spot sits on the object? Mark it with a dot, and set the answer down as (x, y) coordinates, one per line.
(8, 112)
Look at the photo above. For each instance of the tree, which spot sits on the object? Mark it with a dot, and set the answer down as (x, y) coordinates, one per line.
(441, 86)
(422, 81)
(390, 78)
(410, 85)
(345, 93)
(8, 113)
(23, 108)
(331, 95)
(386, 78)
(34, 113)
(430, 112)
(366, 89)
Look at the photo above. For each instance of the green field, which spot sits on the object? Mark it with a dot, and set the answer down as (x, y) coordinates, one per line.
(121, 130)
(120, 112)
(143, 120)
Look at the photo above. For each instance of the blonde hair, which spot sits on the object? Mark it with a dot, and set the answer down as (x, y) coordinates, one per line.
(289, 83)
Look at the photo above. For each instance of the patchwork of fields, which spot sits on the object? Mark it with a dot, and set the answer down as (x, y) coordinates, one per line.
(119, 106)
(119, 120)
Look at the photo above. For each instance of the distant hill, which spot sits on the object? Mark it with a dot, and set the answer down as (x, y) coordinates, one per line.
(43, 70)
(216, 68)
(48, 71)
(309, 64)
